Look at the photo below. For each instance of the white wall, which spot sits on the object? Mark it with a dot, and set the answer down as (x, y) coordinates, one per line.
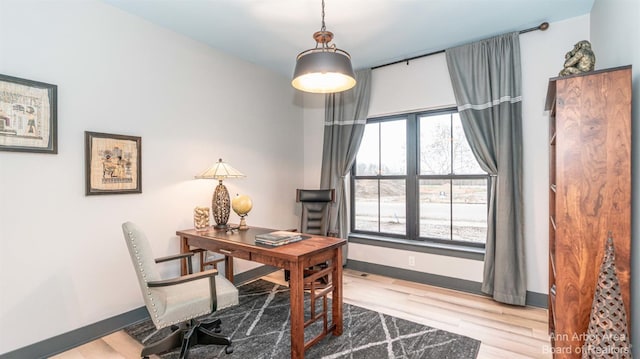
(313, 138)
(615, 39)
(422, 84)
(63, 262)
(542, 56)
(425, 84)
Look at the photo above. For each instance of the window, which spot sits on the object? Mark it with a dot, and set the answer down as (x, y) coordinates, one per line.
(416, 178)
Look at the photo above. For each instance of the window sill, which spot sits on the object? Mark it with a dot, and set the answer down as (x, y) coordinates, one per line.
(442, 249)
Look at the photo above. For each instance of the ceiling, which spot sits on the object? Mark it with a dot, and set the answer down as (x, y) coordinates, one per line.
(271, 33)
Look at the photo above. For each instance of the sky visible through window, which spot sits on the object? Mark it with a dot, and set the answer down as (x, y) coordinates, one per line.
(383, 149)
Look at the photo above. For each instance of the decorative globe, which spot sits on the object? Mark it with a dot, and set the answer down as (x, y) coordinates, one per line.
(241, 204)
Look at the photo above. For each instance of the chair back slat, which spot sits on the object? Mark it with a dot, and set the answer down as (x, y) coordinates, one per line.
(316, 209)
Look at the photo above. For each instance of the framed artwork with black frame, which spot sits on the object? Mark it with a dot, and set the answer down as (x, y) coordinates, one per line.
(28, 115)
(112, 163)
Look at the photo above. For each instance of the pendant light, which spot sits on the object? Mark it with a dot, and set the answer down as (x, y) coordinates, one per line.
(325, 68)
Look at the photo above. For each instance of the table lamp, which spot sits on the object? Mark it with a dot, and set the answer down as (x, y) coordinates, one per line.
(220, 203)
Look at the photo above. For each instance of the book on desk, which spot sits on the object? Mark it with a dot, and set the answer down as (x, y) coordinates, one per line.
(278, 238)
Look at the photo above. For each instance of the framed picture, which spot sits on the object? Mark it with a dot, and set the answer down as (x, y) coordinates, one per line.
(28, 115)
(112, 163)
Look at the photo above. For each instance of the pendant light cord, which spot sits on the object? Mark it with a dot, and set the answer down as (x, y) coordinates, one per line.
(323, 31)
(324, 27)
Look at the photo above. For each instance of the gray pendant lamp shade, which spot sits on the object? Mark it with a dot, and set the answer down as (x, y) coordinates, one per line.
(324, 69)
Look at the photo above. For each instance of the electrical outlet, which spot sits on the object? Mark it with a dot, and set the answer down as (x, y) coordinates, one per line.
(412, 261)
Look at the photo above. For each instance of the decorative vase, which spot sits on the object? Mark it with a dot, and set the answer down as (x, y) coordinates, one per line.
(201, 218)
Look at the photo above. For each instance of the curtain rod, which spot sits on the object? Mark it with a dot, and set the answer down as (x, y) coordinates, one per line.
(542, 27)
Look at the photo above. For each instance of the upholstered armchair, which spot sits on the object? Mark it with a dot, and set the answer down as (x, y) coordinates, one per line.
(178, 302)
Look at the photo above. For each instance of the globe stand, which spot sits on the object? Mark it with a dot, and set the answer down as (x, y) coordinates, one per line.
(243, 223)
(241, 204)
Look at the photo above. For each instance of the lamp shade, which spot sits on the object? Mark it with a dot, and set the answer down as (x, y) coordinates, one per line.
(322, 71)
(220, 170)
(220, 201)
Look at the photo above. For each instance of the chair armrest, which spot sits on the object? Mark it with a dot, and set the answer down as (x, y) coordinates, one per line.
(186, 255)
(174, 257)
(198, 250)
(183, 279)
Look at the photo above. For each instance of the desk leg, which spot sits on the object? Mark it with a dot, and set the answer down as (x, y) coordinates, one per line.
(337, 292)
(228, 268)
(184, 248)
(296, 293)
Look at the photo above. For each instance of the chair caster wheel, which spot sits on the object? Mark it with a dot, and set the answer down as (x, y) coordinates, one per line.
(228, 349)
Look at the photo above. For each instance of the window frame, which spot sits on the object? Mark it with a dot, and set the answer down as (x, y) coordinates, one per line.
(411, 238)
(380, 177)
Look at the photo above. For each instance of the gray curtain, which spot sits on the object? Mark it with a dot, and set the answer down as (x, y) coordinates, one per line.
(345, 118)
(486, 80)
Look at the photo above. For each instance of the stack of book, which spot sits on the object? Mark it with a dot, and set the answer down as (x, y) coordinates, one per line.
(278, 238)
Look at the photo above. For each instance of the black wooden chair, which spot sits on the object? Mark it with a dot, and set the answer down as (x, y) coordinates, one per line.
(316, 209)
(314, 219)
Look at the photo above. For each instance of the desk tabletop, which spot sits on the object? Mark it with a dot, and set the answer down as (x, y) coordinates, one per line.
(246, 240)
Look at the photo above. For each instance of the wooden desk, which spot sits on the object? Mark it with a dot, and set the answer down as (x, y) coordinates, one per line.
(295, 257)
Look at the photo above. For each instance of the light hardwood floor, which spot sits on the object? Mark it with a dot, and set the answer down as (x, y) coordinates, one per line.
(505, 331)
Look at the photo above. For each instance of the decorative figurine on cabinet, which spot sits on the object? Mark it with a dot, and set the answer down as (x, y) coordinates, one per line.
(580, 59)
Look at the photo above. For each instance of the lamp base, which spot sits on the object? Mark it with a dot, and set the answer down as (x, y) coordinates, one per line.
(221, 206)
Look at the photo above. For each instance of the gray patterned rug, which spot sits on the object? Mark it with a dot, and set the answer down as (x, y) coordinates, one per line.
(259, 328)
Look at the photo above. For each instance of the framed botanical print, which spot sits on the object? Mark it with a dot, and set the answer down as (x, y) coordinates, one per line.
(112, 164)
(28, 115)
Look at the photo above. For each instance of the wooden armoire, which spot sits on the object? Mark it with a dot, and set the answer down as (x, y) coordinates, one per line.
(589, 196)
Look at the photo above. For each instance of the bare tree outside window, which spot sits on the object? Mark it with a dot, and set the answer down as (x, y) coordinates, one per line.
(453, 187)
(446, 196)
